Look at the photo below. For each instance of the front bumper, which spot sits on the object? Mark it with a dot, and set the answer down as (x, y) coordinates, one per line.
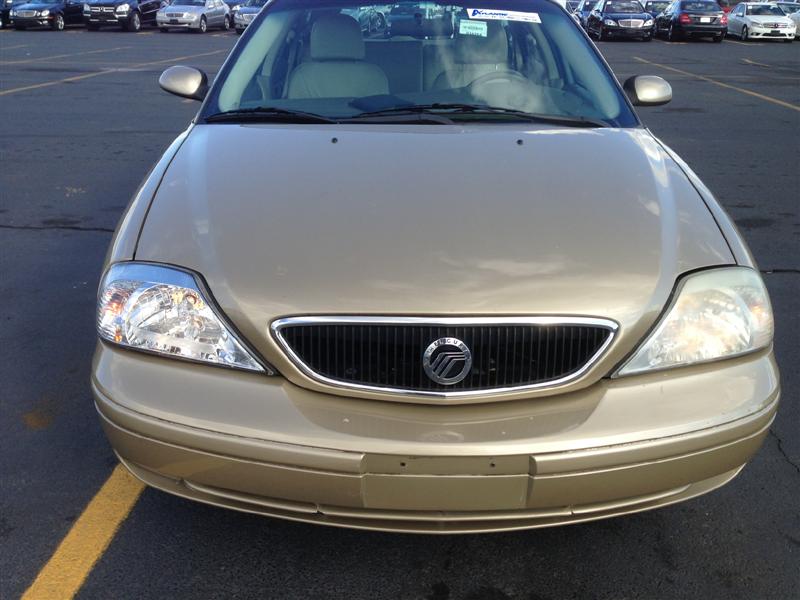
(261, 444)
(27, 22)
(105, 19)
(627, 32)
(775, 34)
(179, 23)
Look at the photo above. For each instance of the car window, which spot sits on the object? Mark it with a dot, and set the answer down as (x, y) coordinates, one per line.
(655, 6)
(623, 6)
(764, 10)
(700, 6)
(519, 55)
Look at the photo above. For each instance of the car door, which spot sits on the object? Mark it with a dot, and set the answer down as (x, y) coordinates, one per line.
(665, 17)
(735, 20)
(73, 12)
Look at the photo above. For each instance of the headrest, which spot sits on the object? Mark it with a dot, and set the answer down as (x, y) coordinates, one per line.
(476, 49)
(336, 37)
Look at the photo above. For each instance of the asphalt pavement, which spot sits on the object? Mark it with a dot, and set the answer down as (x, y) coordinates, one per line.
(81, 122)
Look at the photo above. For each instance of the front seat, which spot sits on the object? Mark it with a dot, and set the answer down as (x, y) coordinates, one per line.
(475, 56)
(337, 68)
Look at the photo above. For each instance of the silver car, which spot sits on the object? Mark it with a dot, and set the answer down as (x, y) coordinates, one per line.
(197, 15)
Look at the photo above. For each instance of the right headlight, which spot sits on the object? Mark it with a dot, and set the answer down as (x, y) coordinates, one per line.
(167, 311)
(714, 314)
(610, 22)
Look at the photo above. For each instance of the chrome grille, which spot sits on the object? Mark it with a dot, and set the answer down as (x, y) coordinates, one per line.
(385, 353)
(26, 14)
(631, 23)
(175, 15)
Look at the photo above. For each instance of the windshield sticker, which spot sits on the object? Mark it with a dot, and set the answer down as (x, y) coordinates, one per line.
(477, 28)
(503, 15)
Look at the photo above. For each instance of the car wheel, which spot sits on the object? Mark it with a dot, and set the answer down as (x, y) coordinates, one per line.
(672, 35)
(134, 22)
(226, 23)
(203, 25)
(718, 39)
(58, 23)
(745, 35)
(647, 38)
(239, 31)
(600, 35)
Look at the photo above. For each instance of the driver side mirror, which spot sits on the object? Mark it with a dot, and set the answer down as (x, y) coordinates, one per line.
(186, 82)
(647, 90)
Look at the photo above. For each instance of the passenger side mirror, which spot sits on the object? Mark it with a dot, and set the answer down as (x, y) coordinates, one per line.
(186, 82)
(647, 90)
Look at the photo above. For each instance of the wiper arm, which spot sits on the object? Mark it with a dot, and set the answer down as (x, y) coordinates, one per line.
(266, 114)
(462, 108)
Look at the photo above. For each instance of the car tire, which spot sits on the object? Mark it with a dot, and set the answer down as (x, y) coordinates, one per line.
(672, 36)
(134, 23)
(647, 38)
(226, 23)
(718, 39)
(600, 34)
(58, 23)
(203, 27)
(239, 31)
(745, 35)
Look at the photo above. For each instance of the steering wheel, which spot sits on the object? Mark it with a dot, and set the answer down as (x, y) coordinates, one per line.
(498, 76)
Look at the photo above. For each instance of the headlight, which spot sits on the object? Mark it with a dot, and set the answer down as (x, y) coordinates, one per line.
(715, 314)
(123, 8)
(86, 9)
(166, 311)
(648, 23)
(610, 22)
(44, 13)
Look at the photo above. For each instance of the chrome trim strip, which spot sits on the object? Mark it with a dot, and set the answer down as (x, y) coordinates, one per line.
(279, 324)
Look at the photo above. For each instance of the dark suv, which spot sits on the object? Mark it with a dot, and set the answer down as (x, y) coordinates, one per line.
(128, 14)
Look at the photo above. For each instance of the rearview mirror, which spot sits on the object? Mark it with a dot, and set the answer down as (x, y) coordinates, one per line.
(647, 90)
(186, 82)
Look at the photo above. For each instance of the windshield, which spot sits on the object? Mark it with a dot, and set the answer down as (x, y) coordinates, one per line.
(788, 8)
(255, 3)
(621, 6)
(320, 58)
(700, 6)
(764, 10)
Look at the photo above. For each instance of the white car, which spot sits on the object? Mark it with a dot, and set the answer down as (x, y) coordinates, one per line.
(758, 20)
(197, 15)
(795, 17)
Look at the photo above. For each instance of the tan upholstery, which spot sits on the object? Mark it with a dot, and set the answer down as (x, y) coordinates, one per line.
(475, 57)
(337, 68)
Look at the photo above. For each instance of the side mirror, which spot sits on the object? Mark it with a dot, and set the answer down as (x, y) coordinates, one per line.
(186, 82)
(647, 90)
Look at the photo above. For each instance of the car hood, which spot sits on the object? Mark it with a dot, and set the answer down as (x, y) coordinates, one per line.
(249, 10)
(770, 19)
(183, 9)
(37, 6)
(430, 220)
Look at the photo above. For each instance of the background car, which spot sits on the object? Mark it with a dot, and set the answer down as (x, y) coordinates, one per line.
(5, 11)
(128, 14)
(620, 19)
(245, 14)
(752, 20)
(795, 17)
(656, 7)
(727, 5)
(788, 7)
(692, 18)
(583, 10)
(372, 19)
(196, 15)
(45, 13)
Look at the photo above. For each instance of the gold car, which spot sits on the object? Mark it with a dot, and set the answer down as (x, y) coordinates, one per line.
(405, 310)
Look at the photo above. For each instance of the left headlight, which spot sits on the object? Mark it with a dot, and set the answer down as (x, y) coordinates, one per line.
(123, 8)
(610, 22)
(44, 13)
(714, 314)
(167, 311)
(648, 23)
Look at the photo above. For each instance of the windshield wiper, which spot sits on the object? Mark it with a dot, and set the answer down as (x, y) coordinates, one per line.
(267, 114)
(454, 108)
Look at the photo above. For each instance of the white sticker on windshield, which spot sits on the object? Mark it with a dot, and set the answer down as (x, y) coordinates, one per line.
(503, 15)
(477, 28)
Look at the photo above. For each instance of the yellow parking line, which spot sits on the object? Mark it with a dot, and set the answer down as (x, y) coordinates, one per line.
(89, 537)
(55, 56)
(721, 84)
(45, 84)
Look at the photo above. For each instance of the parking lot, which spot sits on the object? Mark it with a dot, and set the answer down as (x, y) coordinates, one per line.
(83, 120)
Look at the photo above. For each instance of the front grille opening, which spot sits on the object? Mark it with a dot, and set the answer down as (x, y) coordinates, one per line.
(390, 355)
